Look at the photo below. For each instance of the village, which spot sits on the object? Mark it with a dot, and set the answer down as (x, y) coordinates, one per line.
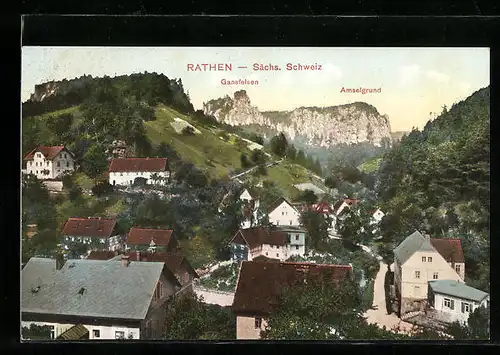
(106, 283)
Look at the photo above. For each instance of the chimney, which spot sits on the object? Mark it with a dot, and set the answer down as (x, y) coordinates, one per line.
(125, 260)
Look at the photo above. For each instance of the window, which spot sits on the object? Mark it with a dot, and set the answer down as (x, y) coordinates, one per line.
(96, 333)
(266, 253)
(67, 164)
(47, 163)
(429, 259)
(119, 335)
(258, 323)
(423, 259)
(449, 303)
(296, 247)
(466, 307)
(296, 237)
(277, 255)
(159, 290)
(435, 276)
(282, 213)
(58, 164)
(52, 332)
(417, 274)
(290, 222)
(121, 174)
(457, 268)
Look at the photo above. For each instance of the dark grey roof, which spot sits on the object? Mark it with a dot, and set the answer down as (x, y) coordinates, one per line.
(109, 289)
(410, 245)
(290, 229)
(457, 289)
(38, 269)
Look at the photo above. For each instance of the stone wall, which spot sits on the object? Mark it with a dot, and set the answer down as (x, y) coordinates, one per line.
(412, 305)
(55, 186)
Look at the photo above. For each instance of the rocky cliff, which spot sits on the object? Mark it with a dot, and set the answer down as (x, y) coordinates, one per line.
(316, 126)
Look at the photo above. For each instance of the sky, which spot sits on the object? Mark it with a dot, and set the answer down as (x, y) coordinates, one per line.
(413, 82)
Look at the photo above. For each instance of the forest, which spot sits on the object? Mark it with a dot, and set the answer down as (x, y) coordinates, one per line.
(438, 180)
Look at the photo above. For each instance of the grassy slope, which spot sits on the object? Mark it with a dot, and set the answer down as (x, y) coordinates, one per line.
(370, 165)
(46, 134)
(207, 151)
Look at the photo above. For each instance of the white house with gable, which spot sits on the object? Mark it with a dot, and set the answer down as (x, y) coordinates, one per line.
(283, 213)
(49, 162)
(419, 259)
(124, 171)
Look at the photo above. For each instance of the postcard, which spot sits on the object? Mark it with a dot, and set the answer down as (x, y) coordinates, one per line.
(274, 193)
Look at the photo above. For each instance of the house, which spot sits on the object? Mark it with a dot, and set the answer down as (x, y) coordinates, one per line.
(124, 171)
(32, 230)
(377, 216)
(117, 149)
(151, 239)
(342, 205)
(259, 284)
(176, 263)
(113, 299)
(249, 197)
(282, 212)
(455, 301)
(49, 162)
(250, 243)
(419, 259)
(96, 232)
(296, 239)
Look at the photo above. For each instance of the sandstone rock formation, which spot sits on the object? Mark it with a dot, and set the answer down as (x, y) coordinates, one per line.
(317, 126)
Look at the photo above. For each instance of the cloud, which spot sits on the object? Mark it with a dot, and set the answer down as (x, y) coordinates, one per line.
(437, 77)
(408, 73)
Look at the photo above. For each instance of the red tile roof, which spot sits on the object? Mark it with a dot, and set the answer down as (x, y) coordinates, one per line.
(48, 152)
(259, 283)
(348, 201)
(102, 254)
(263, 258)
(322, 207)
(174, 261)
(256, 236)
(138, 165)
(143, 236)
(89, 227)
(450, 249)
